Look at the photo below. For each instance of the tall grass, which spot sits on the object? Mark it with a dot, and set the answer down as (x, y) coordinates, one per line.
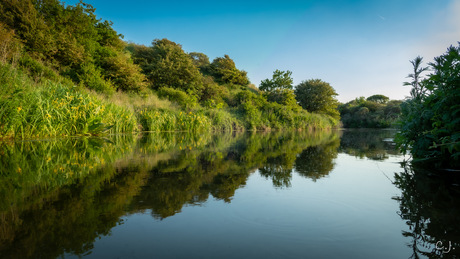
(36, 108)
(31, 109)
(166, 120)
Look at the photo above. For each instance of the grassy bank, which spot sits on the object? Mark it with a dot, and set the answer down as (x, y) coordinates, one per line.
(42, 107)
(64, 72)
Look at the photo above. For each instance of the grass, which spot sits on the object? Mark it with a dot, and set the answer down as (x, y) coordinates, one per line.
(32, 108)
(164, 120)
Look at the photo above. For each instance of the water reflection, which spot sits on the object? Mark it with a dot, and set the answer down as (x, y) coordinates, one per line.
(59, 196)
(369, 143)
(430, 205)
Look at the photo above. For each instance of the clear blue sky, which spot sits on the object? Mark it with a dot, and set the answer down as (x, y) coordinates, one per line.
(360, 47)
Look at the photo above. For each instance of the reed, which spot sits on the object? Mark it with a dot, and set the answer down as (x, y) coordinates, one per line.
(152, 119)
(32, 109)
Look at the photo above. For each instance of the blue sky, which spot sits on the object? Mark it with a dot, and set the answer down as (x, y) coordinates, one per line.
(360, 47)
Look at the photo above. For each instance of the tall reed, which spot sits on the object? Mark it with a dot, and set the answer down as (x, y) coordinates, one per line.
(30, 109)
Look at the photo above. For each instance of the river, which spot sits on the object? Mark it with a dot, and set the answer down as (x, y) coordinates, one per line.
(297, 194)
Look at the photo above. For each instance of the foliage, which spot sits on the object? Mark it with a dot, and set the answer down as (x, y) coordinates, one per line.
(258, 113)
(54, 109)
(186, 101)
(201, 61)
(118, 68)
(418, 90)
(430, 124)
(279, 89)
(91, 77)
(280, 80)
(223, 69)
(9, 46)
(374, 112)
(160, 120)
(378, 98)
(70, 39)
(166, 65)
(224, 120)
(314, 95)
(213, 94)
(50, 51)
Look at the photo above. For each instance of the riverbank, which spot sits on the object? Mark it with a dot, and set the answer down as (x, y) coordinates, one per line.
(33, 107)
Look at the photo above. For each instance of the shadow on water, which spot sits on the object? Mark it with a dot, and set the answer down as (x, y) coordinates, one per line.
(430, 205)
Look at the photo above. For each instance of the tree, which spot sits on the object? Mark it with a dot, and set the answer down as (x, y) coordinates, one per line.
(431, 119)
(317, 96)
(166, 65)
(73, 41)
(225, 71)
(378, 98)
(279, 89)
(280, 80)
(418, 90)
(200, 60)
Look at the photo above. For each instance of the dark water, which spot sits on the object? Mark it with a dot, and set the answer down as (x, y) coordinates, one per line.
(262, 195)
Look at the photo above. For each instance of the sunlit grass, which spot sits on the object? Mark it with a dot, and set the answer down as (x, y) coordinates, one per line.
(164, 120)
(29, 109)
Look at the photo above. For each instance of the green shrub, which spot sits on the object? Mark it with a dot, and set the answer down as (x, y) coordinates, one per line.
(37, 69)
(430, 121)
(185, 101)
(91, 77)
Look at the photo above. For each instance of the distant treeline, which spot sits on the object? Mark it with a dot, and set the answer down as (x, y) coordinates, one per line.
(376, 111)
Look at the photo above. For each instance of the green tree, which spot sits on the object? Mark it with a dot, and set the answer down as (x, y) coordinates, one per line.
(279, 88)
(223, 69)
(71, 39)
(317, 96)
(166, 65)
(201, 61)
(280, 80)
(378, 98)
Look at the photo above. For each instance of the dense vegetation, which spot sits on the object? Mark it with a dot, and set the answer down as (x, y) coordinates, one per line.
(376, 111)
(63, 71)
(430, 125)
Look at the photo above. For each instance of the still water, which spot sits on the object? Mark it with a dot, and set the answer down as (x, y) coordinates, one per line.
(338, 194)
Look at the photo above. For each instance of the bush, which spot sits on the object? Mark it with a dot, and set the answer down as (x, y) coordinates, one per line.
(10, 47)
(91, 77)
(37, 69)
(430, 121)
(185, 101)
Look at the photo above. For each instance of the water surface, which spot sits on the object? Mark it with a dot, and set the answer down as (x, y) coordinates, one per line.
(242, 195)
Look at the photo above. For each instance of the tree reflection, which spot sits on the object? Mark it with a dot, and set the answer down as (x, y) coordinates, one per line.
(317, 161)
(373, 144)
(69, 192)
(430, 205)
(312, 157)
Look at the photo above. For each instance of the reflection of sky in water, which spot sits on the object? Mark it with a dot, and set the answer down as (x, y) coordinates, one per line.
(349, 213)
